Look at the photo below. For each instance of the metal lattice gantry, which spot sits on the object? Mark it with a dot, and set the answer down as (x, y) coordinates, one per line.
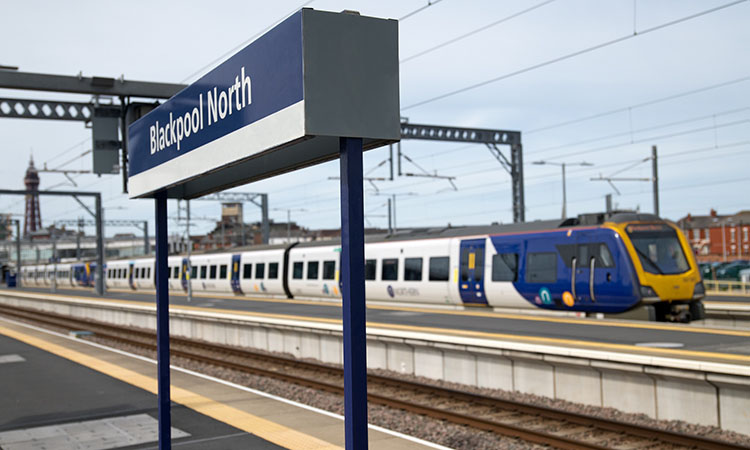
(258, 199)
(45, 109)
(492, 139)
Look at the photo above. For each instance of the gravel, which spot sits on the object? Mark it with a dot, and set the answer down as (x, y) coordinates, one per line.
(432, 430)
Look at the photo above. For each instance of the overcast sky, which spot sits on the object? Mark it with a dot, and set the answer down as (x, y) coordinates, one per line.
(700, 65)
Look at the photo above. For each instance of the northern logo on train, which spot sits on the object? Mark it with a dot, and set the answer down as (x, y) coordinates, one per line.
(390, 291)
(545, 295)
(568, 299)
(325, 289)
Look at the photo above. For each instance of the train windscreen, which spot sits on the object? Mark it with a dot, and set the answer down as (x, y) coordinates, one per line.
(658, 248)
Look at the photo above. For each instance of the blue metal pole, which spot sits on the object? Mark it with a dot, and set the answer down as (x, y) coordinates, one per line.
(353, 293)
(162, 322)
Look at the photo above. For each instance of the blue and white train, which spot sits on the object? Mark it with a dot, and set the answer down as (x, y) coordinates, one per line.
(592, 264)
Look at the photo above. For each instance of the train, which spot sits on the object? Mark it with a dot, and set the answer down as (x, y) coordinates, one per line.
(594, 263)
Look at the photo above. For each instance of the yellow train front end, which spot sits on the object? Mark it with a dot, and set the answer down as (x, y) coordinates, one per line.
(666, 269)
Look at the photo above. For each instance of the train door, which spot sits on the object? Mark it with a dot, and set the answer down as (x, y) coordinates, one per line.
(594, 266)
(131, 281)
(185, 274)
(236, 274)
(471, 271)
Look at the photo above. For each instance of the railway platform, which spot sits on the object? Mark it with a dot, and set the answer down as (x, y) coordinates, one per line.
(63, 392)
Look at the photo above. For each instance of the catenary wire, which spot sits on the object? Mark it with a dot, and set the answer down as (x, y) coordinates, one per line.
(573, 54)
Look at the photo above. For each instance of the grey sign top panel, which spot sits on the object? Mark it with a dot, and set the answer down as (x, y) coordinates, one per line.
(278, 105)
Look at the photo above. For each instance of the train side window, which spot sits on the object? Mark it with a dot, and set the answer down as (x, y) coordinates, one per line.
(390, 269)
(297, 270)
(213, 272)
(273, 271)
(193, 272)
(203, 272)
(260, 271)
(479, 270)
(247, 271)
(148, 273)
(413, 269)
(505, 267)
(541, 267)
(329, 270)
(222, 271)
(370, 266)
(312, 270)
(604, 257)
(177, 272)
(464, 264)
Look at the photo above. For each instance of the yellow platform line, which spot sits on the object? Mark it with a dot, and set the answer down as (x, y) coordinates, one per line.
(485, 314)
(488, 335)
(263, 428)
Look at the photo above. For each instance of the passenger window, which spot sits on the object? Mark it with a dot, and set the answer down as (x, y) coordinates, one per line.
(465, 264)
(247, 271)
(203, 272)
(273, 271)
(604, 257)
(505, 267)
(439, 268)
(413, 269)
(370, 266)
(329, 270)
(390, 269)
(148, 273)
(213, 272)
(177, 272)
(297, 271)
(222, 271)
(312, 270)
(479, 268)
(541, 268)
(260, 271)
(193, 272)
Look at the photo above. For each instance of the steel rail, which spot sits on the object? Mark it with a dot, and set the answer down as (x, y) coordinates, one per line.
(146, 340)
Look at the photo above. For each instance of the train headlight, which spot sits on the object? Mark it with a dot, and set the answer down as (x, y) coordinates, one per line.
(699, 290)
(648, 291)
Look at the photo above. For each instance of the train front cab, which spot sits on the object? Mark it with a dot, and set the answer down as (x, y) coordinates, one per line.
(577, 269)
(668, 275)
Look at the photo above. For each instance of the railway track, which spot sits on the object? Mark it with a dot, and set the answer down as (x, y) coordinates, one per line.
(527, 422)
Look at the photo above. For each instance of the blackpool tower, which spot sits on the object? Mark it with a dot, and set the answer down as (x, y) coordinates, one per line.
(33, 217)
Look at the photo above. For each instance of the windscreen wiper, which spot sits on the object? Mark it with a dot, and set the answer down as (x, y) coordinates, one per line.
(650, 261)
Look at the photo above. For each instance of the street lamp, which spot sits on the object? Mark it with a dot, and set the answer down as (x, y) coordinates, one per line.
(562, 164)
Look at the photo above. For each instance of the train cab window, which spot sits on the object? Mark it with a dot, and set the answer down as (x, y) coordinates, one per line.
(247, 271)
(204, 270)
(222, 271)
(312, 270)
(390, 269)
(541, 267)
(413, 269)
(273, 271)
(260, 271)
(329, 270)
(213, 272)
(439, 268)
(370, 266)
(505, 267)
(297, 270)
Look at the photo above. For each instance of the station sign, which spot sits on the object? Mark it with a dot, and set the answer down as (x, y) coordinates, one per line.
(278, 105)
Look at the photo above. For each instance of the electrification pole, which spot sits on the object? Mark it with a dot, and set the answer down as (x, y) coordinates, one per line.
(655, 170)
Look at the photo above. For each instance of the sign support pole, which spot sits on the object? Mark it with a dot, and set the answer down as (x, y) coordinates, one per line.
(353, 293)
(162, 321)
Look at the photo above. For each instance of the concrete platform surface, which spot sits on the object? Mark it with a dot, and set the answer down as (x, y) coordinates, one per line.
(60, 392)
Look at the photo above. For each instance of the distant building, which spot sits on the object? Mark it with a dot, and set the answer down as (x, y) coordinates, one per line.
(718, 237)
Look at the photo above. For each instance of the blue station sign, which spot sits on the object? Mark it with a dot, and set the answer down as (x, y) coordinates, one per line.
(279, 104)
